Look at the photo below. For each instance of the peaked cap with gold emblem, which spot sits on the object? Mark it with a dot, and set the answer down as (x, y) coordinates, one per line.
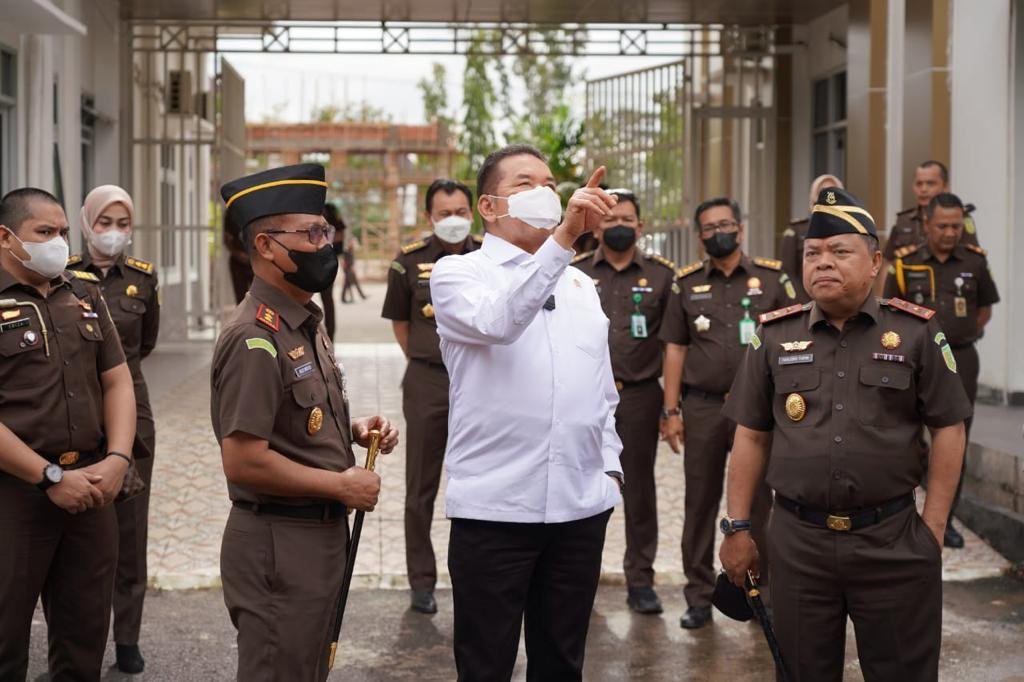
(301, 188)
(839, 212)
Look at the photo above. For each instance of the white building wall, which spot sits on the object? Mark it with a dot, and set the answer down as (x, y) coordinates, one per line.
(982, 168)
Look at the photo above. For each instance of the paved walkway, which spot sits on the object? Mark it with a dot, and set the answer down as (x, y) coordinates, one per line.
(189, 497)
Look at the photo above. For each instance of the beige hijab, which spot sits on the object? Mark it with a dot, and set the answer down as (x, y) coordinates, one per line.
(98, 200)
(816, 187)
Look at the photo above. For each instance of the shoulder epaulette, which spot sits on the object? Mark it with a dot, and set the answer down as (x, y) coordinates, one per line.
(905, 251)
(690, 269)
(140, 265)
(769, 263)
(905, 211)
(661, 260)
(268, 317)
(74, 260)
(477, 238)
(910, 308)
(83, 274)
(415, 246)
(580, 257)
(772, 316)
(975, 248)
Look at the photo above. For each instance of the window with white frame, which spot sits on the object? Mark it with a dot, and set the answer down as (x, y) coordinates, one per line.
(828, 118)
(8, 92)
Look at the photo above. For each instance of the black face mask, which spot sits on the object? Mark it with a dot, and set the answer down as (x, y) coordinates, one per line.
(721, 244)
(316, 270)
(619, 238)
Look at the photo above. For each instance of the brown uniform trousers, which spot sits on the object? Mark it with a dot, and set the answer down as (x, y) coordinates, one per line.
(130, 289)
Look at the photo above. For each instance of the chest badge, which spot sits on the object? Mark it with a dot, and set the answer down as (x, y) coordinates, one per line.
(297, 352)
(754, 286)
(132, 290)
(796, 346)
(30, 338)
(89, 328)
(315, 421)
(891, 340)
(11, 314)
(796, 407)
(642, 282)
(428, 311)
(702, 323)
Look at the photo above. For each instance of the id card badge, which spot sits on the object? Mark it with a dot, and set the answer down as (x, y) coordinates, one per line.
(638, 326)
(960, 306)
(747, 327)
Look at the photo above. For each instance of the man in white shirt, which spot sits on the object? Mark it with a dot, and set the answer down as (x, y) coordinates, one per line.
(533, 456)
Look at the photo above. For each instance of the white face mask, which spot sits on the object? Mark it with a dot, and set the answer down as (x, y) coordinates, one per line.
(110, 243)
(539, 207)
(47, 258)
(453, 229)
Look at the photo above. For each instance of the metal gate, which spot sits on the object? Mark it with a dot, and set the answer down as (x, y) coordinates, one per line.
(683, 132)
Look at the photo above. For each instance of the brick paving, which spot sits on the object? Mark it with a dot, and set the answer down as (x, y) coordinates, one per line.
(189, 497)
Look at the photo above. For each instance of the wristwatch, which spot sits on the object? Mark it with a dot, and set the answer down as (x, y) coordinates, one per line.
(666, 413)
(731, 526)
(52, 475)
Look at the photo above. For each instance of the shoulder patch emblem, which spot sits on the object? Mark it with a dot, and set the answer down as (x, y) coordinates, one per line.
(140, 265)
(398, 267)
(975, 248)
(268, 317)
(74, 260)
(690, 269)
(257, 343)
(87, 276)
(765, 318)
(580, 257)
(769, 263)
(911, 309)
(415, 246)
(661, 260)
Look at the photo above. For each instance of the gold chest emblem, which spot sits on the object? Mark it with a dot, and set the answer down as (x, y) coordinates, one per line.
(427, 310)
(891, 340)
(796, 407)
(796, 346)
(132, 290)
(315, 421)
(642, 282)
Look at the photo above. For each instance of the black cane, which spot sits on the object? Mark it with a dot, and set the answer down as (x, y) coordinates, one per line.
(350, 559)
(761, 613)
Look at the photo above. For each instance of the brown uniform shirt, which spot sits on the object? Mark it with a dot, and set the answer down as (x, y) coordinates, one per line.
(909, 231)
(408, 295)
(55, 403)
(648, 278)
(845, 407)
(705, 315)
(274, 376)
(791, 253)
(954, 289)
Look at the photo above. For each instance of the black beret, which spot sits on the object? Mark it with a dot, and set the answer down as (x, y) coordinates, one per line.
(731, 600)
(838, 212)
(301, 188)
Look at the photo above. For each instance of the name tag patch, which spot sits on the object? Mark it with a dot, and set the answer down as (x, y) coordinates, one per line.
(303, 370)
(800, 359)
(14, 324)
(888, 357)
(700, 297)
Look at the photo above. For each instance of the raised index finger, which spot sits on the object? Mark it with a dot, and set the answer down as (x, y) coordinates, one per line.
(597, 177)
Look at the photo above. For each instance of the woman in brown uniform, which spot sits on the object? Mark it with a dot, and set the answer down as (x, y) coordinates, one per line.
(129, 286)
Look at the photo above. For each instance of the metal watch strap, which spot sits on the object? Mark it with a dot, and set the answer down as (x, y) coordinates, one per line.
(674, 412)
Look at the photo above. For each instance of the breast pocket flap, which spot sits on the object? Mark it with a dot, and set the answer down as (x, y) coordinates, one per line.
(797, 380)
(885, 377)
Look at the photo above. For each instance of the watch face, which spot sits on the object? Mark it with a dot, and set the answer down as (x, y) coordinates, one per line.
(54, 473)
(725, 526)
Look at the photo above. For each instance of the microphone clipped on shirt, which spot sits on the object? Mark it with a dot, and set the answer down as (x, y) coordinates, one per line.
(550, 303)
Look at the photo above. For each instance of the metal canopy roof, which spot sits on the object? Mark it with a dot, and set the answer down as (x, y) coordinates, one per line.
(742, 12)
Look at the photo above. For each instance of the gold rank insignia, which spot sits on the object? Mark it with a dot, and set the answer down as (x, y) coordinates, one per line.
(795, 346)
(425, 274)
(297, 352)
(132, 290)
(830, 198)
(642, 282)
(701, 289)
(89, 328)
(796, 407)
(68, 458)
(315, 421)
(427, 310)
(891, 340)
(139, 264)
(11, 314)
(268, 317)
(424, 266)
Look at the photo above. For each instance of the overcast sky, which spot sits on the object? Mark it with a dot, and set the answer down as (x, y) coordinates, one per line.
(292, 86)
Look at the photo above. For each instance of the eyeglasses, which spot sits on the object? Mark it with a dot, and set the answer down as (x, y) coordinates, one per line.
(726, 226)
(315, 234)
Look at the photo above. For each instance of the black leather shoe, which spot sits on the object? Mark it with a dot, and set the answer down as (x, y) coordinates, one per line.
(643, 600)
(423, 601)
(129, 659)
(695, 617)
(952, 537)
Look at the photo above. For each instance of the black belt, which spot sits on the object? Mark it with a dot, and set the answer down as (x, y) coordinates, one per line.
(706, 395)
(621, 385)
(323, 512)
(844, 521)
(73, 459)
(432, 364)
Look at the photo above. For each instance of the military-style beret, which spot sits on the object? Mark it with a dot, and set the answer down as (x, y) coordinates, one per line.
(290, 189)
(731, 600)
(838, 212)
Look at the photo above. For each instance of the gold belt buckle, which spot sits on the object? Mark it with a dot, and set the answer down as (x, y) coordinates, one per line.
(66, 459)
(839, 523)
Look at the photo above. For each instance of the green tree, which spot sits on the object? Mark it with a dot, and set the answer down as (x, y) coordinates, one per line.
(434, 91)
(350, 112)
(477, 133)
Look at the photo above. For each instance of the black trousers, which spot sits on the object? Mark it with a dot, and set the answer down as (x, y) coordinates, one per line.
(500, 571)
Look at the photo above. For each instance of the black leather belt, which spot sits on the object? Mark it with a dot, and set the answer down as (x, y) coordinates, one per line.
(846, 521)
(72, 459)
(620, 385)
(431, 364)
(706, 395)
(322, 512)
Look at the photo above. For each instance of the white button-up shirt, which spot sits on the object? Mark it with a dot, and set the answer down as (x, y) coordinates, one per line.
(531, 426)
